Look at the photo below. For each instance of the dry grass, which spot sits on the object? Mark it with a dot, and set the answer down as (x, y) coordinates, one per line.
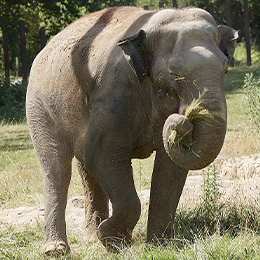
(197, 111)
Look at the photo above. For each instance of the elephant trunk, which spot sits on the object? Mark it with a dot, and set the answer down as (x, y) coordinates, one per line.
(195, 139)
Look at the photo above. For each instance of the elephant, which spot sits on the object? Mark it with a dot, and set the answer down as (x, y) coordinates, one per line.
(118, 84)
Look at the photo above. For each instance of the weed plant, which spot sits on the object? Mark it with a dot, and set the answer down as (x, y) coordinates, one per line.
(210, 194)
(215, 216)
(252, 90)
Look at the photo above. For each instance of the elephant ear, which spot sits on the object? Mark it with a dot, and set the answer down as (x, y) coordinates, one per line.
(229, 38)
(136, 54)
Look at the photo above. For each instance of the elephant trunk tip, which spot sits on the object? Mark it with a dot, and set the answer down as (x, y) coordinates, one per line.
(179, 131)
(194, 140)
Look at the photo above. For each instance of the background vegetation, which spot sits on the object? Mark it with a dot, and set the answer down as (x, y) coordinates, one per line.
(54, 15)
(209, 230)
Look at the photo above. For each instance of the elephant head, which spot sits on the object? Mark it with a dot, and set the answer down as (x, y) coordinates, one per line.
(187, 52)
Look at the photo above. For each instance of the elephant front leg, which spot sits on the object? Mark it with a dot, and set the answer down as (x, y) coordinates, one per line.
(96, 203)
(116, 231)
(168, 181)
(111, 167)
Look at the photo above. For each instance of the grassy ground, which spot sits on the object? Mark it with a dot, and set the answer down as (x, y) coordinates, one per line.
(241, 137)
(21, 184)
(25, 244)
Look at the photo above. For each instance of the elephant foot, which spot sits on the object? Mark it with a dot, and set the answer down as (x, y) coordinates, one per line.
(112, 239)
(90, 236)
(55, 248)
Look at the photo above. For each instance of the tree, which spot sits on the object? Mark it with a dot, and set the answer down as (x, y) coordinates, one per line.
(52, 15)
(247, 33)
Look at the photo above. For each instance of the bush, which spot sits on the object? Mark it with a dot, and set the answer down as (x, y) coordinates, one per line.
(252, 90)
(213, 215)
(12, 100)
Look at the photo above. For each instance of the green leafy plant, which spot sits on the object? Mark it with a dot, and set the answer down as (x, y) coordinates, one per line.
(210, 193)
(214, 216)
(252, 90)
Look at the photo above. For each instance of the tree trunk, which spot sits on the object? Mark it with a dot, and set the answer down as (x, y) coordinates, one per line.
(43, 38)
(228, 13)
(247, 34)
(161, 4)
(229, 22)
(23, 50)
(174, 4)
(6, 55)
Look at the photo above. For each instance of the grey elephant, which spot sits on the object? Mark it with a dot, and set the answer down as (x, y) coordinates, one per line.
(119, 84)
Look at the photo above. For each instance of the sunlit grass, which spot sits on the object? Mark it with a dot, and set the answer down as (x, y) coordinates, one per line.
(241, 137)
(240, 54)
(25, 243)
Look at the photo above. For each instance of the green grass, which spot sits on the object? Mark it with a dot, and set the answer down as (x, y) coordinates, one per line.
(241, 56)
(25, 243)
(12, 99)
(19, 168)
(242, 137)
(234, 79)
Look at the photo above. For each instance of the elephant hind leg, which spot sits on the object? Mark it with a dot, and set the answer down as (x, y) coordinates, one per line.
(56, 175)
(54, 151)
(96, 203)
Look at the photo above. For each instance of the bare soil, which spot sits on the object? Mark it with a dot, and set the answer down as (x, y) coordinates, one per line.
(239, 180)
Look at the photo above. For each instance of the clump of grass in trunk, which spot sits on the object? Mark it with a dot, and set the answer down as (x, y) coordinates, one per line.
(195, 112)
(178, 139)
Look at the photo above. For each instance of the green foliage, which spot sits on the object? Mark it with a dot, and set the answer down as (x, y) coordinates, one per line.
(210, 194)
(154, 4)
(205, 217)
(12, 100)
(213, 216)
(252, 90)
(52, 15)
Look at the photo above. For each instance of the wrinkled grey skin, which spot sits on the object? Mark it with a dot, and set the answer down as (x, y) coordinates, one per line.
(104, 91)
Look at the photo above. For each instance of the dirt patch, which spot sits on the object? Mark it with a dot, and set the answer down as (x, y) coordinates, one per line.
(239, 181)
